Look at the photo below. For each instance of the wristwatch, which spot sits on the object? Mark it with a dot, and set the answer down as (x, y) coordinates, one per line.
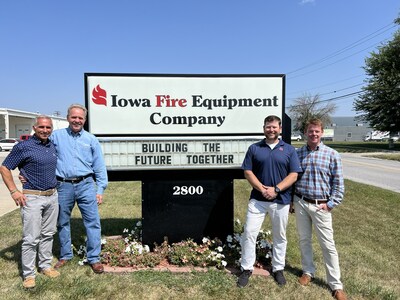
(277, 190)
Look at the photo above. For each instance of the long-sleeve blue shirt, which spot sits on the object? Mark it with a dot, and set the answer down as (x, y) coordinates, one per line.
(322, 176)
(79, 154)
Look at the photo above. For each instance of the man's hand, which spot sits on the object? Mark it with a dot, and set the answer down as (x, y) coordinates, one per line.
(19, 198)
(269, 193)
(22, 179)
(324, 207)
(99, 199)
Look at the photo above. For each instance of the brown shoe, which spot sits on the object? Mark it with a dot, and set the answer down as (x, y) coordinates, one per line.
(339, 295)
(50, 272)
(305, 279)
(29, 282)
(97, 268)
(60, 263)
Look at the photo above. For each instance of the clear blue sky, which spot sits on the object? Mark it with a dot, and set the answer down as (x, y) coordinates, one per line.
(47, 46)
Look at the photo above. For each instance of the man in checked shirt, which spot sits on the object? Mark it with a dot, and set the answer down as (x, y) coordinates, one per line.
(318, 190)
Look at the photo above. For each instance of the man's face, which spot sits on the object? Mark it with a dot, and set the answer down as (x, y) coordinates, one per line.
(43, 129)
(76, 119)
(314, 134)
(272, 130)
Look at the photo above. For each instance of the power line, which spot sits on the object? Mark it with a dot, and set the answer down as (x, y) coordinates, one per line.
(323, 67)
(330, 99)
(327, 84)
(343, 89)
(352, 45)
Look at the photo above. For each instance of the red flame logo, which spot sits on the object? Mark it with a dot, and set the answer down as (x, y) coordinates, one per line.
(99, 96)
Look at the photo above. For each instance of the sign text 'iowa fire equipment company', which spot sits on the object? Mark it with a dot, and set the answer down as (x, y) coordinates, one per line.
(151, 121)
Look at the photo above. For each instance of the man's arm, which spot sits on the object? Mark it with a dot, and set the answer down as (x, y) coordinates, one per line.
(17, 196)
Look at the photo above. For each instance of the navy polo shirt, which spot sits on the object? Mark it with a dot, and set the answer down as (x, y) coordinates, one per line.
(36, 161)
(271, 166)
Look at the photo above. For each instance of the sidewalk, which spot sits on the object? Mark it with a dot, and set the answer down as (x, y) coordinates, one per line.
(7, 204)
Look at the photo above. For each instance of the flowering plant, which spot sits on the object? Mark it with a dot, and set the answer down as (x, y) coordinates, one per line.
(128, 251)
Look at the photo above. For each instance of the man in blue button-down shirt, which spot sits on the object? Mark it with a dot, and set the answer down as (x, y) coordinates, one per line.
(82, 178)
(36, 159)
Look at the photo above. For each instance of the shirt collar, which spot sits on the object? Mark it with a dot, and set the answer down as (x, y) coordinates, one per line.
(317, 148)
(38, 141)
(70, 132)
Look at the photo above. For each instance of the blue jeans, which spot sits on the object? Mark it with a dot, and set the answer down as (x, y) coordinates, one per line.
(84, 193)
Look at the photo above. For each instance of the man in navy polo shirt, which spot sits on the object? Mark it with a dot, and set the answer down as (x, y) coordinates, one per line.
(271, 167)
(36, 159)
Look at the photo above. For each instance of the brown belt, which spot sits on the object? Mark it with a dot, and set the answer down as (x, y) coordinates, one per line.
(310, 200)
(40, 193)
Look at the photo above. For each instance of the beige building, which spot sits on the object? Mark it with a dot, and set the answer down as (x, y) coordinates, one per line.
(14, 123)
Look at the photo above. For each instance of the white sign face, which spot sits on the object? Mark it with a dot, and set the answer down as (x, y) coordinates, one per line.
(141, 154)
(181, 105)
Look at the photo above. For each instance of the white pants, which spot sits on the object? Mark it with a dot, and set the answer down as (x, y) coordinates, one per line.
(307, 216)
(39, 221)
(256, 212)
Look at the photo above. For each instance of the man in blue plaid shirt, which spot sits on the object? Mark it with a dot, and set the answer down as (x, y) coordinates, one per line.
(319, 189)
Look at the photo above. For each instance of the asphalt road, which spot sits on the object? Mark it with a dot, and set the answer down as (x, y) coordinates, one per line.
(373, 171)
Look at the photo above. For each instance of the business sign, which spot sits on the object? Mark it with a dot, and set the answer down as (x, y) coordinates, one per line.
(121, 154)
(156, 105)
(148, 121)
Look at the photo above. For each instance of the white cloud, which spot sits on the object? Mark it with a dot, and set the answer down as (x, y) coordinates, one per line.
(304, 2)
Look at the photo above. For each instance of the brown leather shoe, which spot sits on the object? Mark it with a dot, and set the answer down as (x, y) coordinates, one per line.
(339, 295)
(97, 268)
(29, 282)
(50, 272)
(305, 279)
(60, 263)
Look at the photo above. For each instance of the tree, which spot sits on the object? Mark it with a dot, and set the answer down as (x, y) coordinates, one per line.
(307, 107)
(379, 103)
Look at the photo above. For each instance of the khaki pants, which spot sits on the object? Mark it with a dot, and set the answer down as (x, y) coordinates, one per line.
(308, 216)
(39, 221)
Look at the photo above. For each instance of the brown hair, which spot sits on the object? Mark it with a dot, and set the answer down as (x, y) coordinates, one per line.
(315, 122)
(272, 118)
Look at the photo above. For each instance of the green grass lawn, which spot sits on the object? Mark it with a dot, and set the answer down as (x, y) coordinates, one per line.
(367, 235)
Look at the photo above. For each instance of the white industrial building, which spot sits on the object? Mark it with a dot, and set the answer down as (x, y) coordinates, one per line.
(14, 123)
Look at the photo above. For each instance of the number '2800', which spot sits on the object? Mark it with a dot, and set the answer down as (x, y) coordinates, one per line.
(187, 190)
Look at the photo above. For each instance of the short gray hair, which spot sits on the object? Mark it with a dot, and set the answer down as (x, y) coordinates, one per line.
(42, 117)
(77, 106)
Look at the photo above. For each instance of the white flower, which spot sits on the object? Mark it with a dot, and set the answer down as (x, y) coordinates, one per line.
(128, 249)
(80, 263)
(126, 230)
(224, 263)
(103, 241)
(219, 249)
(229, 239)
(205, 240)
(139, 223)
(263, 244)
(126, 240)
(146, 248)
(238, 221)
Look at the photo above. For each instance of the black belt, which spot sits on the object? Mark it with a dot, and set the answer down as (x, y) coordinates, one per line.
(73, 179)
(310, 200)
